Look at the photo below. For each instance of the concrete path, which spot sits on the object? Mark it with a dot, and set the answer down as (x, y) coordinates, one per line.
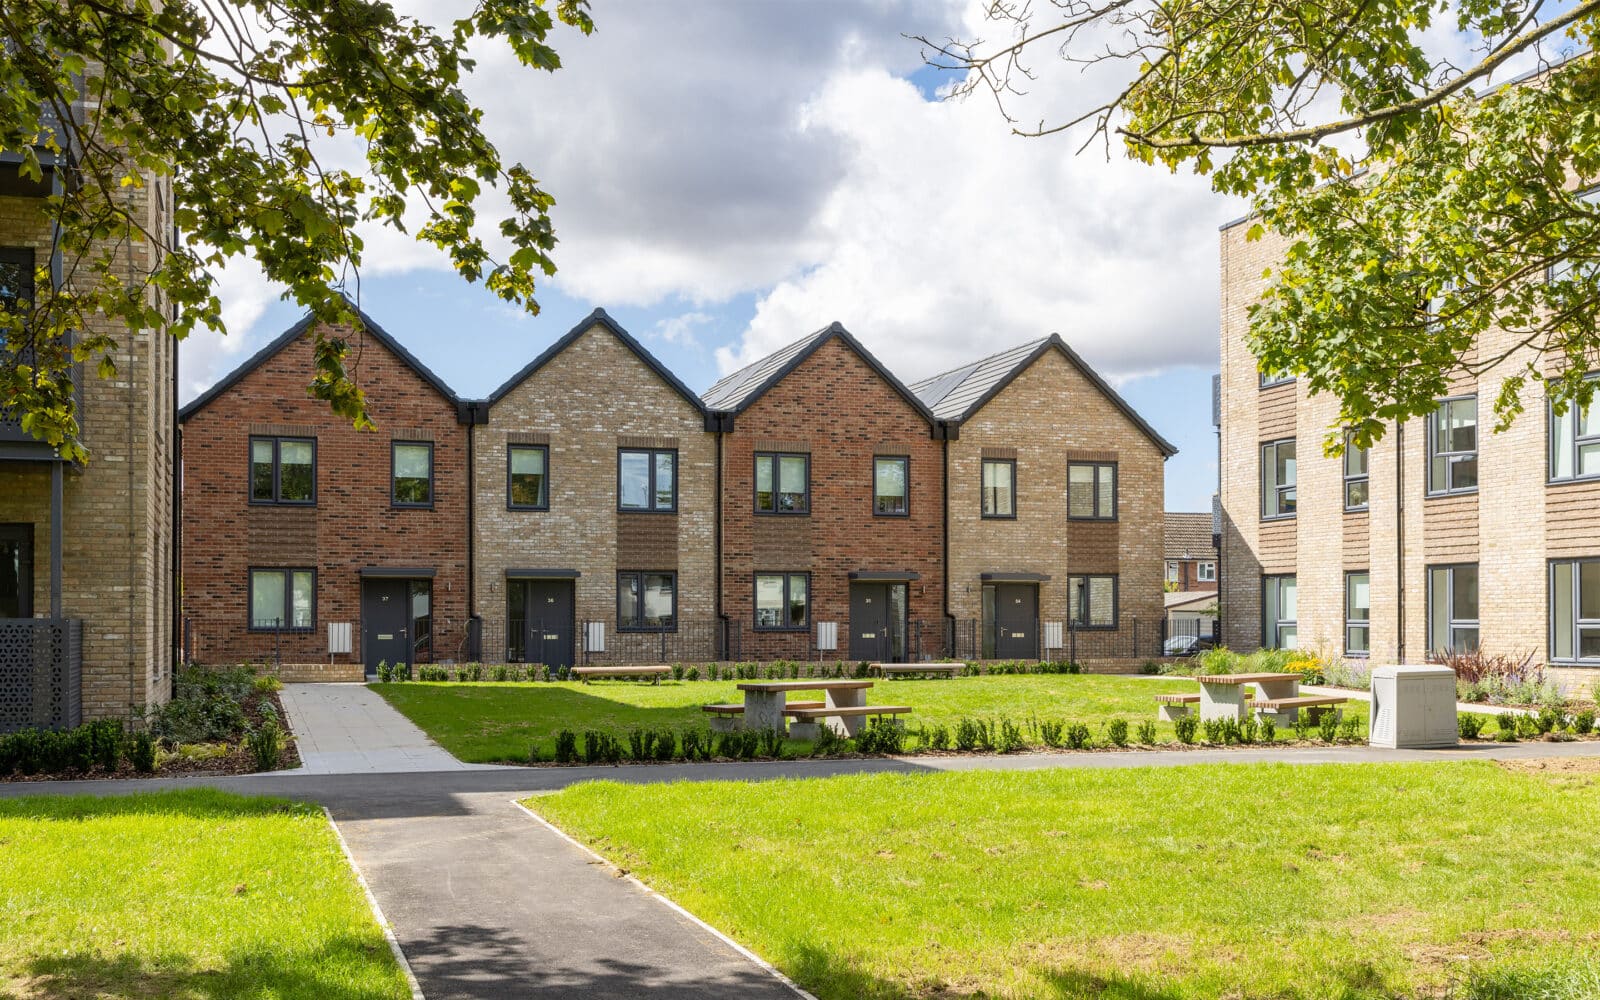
(349, 729)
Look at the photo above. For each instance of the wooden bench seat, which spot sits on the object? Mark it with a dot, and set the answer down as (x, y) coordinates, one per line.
(723, 709)
(895, 669)
(843, 711)
(1175, 706)
(655, 673)
(1286, 711)
(1178, 699)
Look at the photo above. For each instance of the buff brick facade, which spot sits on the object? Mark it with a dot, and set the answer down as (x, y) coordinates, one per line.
(1053, 414)
(593, 396)
(838, 408)
(1512, 528)
(116, 524)
(396, 574)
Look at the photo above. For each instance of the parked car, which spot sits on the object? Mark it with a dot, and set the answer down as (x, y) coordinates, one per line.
(1187, 645)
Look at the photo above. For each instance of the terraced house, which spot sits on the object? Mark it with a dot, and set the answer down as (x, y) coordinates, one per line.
(832, 505)
(1054, 502)
(88, 611)
(1443, 536)
(313, 544)
(595, 508)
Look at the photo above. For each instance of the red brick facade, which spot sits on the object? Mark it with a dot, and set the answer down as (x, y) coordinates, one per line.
(837, 409)
(351, 527)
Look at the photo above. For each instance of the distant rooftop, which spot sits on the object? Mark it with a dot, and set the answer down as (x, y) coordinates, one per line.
(1188, 536)
(952, 394)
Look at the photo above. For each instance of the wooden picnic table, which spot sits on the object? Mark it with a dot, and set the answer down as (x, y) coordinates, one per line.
(764, 702)
(1222, 695)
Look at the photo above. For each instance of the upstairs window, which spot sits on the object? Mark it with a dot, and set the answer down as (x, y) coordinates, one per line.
(1207, 572)
(283, 470)
(891, 486)
(1173, 571)
(1092, 491)
(16, 277)
(1453, 447)
(1453, 608)
(1277, 479)
(1356, 480)
(999, 487)
(412, 465)
(528, 477)
(1575, 441)
(647, 479)
(783, 483)
(1270, 379)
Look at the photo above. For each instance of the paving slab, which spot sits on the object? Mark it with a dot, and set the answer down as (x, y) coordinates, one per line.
(350, 729)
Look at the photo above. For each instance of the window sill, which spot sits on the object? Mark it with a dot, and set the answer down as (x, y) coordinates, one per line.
(647, 510)
(1573, 481)
(1444, 494)
(1093, 520)
(646, 630)
(283, 503)
(410, 506)
(783, 513)
(902, 515)
(1590, 664)
(524, 507)
(1091, 628)
(1367, 509)
(1277, 517)
(303, 629)
(997, 517)
(781, 628)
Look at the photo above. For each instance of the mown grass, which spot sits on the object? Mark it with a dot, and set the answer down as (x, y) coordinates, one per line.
(193, 894)
(490, 722)
(1215, 881)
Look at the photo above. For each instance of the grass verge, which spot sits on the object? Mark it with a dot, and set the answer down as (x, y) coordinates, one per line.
(1213, 881)
(191, 894)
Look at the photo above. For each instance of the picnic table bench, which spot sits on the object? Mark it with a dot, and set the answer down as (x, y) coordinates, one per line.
(898, 669)
(1284, 711)
(726, 717)
(765, 708)
(655, 673)
(1222, 695)
(1175, 706)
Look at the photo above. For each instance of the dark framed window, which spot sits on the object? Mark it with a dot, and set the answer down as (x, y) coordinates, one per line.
(1453, 608)
(783, 483)
(647, 479)
(283, 599)
(1000, 487)
(1584, 267)
(783, 601)
(420, 593)
(1575, 441)
(528, 477)
(1453, 447)
(1358, 614)
(412, 466)
(1279, 608)
(647, 602)
(1092, 491)
(283, 470)
(16, 277)
(1270, 379)
(1277, 479)
(891, 486)
(1575, 611)
(1357, 483)
(1092, 600)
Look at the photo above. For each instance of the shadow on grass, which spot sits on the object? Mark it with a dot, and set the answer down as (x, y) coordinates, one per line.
(188, 803)
(346, 968)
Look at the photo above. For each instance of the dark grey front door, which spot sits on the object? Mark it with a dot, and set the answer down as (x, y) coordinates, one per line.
(16, 571)
(878, 622)
(385, 622)
(1016, 621)
(546, 626)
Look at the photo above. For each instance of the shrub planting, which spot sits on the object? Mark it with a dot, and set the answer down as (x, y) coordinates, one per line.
(1583, 722)
(1528, 727)
(1328, 726)
(1185, 727)
(141, 753)
(828, 743)
(1079, 737)
(879, 736)
(566, 747)
(1213, 729)
(1269, 730)
(1147, 733)
(1050, 732)
(937, 738)
(1010, 738)
(1349, 729)
(1469, 725)
(1117, 732)
(1302, 725)
(265, 745)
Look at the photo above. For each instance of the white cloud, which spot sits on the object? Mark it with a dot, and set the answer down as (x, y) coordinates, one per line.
(680, 329)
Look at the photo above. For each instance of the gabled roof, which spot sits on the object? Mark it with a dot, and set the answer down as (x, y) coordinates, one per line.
(299, 330)
(600, 318)
(735, 392)
(959, 393)
(1188, 536)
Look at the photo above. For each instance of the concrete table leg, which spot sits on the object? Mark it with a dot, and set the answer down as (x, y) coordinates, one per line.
(764, 710)
(803, 730)
(847, 725)
(1272, 690)
(1221, 701)
(1171, 713)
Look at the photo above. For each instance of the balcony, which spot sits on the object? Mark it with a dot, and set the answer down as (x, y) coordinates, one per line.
(41, 663)
(12, 180)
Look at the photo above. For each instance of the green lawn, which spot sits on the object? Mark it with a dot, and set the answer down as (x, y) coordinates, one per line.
(488, 722)
(1217, 881)
(197, 894)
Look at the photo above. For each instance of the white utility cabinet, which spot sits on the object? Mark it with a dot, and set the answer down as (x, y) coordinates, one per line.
(1413, 707)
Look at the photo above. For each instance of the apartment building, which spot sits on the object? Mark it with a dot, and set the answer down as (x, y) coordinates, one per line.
(832, 505)
(1054, 507)
(295, 521)
(595, 508)
(1444, 535)
(87, 565)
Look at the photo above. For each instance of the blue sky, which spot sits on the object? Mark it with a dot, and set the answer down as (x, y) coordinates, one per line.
(799, 170)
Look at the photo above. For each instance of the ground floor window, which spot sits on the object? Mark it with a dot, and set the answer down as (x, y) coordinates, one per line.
(1092, 601)
(647, 602)
(1278, 613)
(421, 600)
(282, 598)
(1575, 611)
(783, 601)
(1357, 614)
(1453, 608)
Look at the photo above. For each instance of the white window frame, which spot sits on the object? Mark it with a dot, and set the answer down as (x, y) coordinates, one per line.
(1206, 571)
